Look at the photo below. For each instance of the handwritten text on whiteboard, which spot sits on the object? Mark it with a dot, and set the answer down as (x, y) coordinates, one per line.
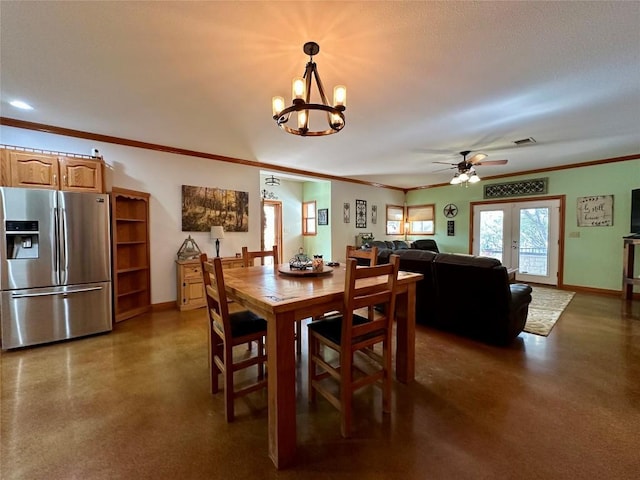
(595, 211)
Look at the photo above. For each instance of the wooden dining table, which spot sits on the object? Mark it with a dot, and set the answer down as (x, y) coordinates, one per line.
(282, 299)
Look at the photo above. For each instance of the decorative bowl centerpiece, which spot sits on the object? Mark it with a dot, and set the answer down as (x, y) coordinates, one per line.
(300, 261)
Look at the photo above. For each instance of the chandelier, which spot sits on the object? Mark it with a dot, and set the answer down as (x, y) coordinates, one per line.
(302, 106)
(272, 181)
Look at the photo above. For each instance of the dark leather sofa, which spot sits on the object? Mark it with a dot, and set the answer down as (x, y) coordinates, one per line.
(466, 294)
(425, 244)
(387, 244)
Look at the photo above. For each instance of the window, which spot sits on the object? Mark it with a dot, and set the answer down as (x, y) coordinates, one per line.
(421, 219)
(309, 218)
(395, 220)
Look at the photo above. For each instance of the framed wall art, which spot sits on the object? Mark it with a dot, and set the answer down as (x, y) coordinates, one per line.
(596, 211)
(323, 216)
(206, 206)
(361, 214)
(374, 214)
(346, 212)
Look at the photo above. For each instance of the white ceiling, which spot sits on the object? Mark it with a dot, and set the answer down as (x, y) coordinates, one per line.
(425, 79)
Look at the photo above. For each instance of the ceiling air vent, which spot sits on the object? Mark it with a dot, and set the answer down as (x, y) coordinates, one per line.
(525, 141)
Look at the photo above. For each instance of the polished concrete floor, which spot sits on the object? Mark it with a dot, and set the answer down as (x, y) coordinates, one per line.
(135, 404)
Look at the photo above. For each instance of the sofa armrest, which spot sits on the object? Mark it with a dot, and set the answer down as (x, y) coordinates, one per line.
(520, 295)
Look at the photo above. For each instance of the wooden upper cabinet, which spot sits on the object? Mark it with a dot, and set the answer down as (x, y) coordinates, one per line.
(80, 175)
(41, 170)
(33, 170)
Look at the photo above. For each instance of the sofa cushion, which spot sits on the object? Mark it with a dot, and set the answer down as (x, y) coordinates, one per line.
(425, 244)
(468, 260)
(400, 244)
(376, 243)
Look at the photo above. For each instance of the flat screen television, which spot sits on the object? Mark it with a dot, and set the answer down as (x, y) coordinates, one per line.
(635, 212)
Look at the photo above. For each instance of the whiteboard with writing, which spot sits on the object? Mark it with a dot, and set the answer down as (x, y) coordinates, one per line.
(595, 211)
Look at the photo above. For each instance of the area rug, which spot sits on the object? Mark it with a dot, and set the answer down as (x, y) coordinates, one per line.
(546, 306)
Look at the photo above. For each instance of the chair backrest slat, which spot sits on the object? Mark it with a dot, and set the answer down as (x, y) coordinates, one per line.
(249, 257)
(217, 303)
(367, 295)
(355, 252)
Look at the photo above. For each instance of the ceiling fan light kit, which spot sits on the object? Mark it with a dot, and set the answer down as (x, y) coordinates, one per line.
(302, 106)
(466, 173)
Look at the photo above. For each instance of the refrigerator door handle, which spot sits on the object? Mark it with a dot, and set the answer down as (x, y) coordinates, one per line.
(56, 250)
(46, 294)
(63, 247)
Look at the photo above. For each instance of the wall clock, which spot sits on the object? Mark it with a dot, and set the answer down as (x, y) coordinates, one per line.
(450, 210)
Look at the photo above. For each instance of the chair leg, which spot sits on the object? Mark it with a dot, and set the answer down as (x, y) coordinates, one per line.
(346, 394)
(228, 383)
(386, 379)
(260, 343)
(312, 351)
(299, 337)
(214, 371)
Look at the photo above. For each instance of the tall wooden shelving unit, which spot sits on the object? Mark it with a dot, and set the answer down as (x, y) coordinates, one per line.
(131, 258)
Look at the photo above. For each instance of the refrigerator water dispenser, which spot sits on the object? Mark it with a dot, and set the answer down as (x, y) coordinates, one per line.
(22, 239)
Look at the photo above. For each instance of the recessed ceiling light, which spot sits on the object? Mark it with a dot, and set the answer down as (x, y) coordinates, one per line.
(20, 104)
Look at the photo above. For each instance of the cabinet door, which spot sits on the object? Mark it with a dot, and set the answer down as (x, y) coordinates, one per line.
(80, 175)
(193, 293)
(33, 170)
(190, 285)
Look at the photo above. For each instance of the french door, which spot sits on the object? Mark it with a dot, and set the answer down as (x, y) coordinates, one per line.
(271, 227)
(522, 235)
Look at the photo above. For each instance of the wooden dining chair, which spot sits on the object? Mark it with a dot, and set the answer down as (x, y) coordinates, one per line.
(227, 330)
(370, 254)
(249, 257)
(249, 260)
(353, 336)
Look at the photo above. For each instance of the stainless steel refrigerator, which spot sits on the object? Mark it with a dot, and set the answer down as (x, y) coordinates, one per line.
(55, 265)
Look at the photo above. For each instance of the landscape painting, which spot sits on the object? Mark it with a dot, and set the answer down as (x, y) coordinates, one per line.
(203, 207)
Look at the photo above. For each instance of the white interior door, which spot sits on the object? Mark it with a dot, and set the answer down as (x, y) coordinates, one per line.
(271, 227)
(522, 235)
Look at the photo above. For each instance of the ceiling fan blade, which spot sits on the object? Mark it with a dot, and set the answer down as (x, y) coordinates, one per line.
(446, 163)
(492, 162)
(477, 158)
(443, 169)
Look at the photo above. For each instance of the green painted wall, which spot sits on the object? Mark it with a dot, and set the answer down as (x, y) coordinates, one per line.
(594, 259)
(319, 244)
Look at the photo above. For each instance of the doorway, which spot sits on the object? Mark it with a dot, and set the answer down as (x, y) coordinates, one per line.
(523, 235)
(271, 227)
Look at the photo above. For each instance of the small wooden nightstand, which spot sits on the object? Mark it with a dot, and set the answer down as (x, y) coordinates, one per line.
(190, 285)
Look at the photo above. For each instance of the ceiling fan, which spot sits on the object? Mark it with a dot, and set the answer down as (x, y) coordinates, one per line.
(466, 168)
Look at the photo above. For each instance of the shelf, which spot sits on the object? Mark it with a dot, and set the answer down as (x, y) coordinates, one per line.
(131, 272)
(132, 292)
(119, 219)
(131, 269)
